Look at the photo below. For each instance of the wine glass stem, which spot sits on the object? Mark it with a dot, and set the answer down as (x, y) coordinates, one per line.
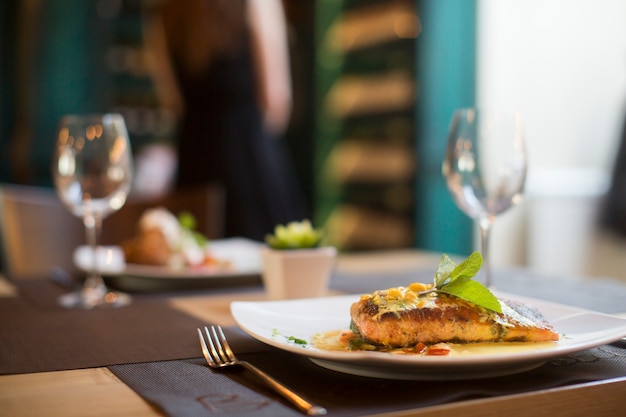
(94, 282)
(485, 228)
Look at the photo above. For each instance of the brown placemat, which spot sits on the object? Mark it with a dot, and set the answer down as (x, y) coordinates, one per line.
(186, 388)
(36, 335)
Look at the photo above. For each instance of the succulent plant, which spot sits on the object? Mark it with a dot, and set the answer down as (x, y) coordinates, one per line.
(295, 235)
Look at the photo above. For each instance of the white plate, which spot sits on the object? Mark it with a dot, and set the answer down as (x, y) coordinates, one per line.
(242, 254)
(273, 322)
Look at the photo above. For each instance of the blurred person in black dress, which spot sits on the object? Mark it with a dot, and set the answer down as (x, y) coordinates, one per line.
(223, 67)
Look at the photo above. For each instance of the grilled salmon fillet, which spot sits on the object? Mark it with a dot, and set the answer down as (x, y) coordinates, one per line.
(402, 317)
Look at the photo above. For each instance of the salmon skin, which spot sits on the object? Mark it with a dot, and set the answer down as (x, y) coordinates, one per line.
(400, 317)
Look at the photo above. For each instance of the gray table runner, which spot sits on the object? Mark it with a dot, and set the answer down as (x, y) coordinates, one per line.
(606, 295)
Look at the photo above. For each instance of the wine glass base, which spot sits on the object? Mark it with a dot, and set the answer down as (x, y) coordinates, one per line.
(81, 300)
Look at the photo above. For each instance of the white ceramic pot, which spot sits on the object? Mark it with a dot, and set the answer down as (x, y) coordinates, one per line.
(297, 273)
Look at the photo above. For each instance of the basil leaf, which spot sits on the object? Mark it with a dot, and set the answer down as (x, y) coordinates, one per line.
(444, 270)
(473, 291)
(469, 267)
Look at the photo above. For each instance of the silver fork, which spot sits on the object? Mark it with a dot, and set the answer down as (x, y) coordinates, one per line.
(218, 354)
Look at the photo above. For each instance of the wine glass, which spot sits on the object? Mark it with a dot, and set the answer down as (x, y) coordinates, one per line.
(485, 167)
(92, 170)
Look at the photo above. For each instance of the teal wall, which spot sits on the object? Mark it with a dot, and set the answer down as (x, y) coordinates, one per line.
(330, 66)
(65, 74)
(446, 80)
(70, 77)
(67, 69)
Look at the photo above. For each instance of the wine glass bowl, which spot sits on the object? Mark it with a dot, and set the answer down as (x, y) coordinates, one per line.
(92, 172)
(485, 167)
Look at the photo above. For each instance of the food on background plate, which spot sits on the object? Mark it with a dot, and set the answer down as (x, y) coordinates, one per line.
(429, 318)
(163, 239)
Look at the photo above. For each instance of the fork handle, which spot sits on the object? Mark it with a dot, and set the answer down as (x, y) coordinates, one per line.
(295, 399)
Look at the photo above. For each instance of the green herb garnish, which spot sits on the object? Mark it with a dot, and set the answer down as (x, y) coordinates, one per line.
(293, 339)
(297, 341)
(457, 280)
(188, 222)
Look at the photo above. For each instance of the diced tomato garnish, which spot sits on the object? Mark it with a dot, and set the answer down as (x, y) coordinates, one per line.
(438, 351)
(420, 348)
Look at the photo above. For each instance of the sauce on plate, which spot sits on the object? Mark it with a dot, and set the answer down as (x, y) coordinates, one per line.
(346, 340)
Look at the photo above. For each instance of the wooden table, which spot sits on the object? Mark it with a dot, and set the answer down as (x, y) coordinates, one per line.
(97, 392)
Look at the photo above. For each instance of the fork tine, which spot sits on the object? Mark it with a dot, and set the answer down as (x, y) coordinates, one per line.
(214, 349)
(217, 342)
(205, 349)
(227, 350)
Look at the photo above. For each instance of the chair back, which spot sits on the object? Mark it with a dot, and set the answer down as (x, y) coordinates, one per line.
(37, 233)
